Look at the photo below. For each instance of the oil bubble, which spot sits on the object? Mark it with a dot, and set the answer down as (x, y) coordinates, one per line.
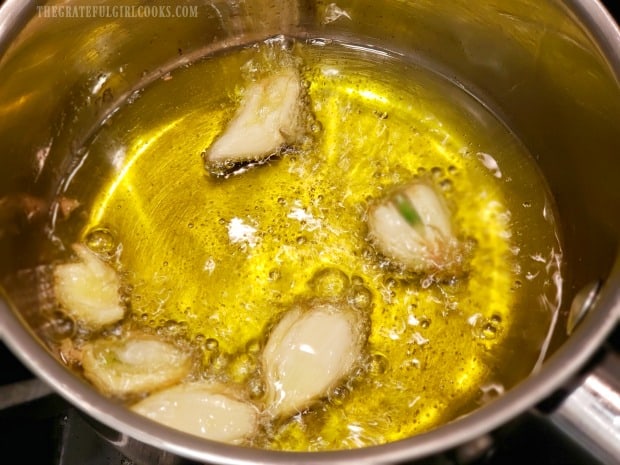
(329, 282)
(390, 283)
(101, 240)
(286, 43)
(446, 185)
(491, 391)
(274, 275)
(424, 322)
(399, 174)
(242, 367)
(360, 298)
(378, 364)
(489, 331)
(172, 326)
(452, 169)
(338, 395)
(253, 346)
(301, 240)
(256, 388)
(427, 282)
(211, 344)
(61, 326)
(115, 331)
(486, 329)
(221, 361)
(436, 172)
(367, 254)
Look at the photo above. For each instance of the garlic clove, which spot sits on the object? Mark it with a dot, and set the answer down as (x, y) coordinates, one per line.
(208, 410)
(413, 227)
(134, 365)
(88, 290)
(270, 116)
(308, 353)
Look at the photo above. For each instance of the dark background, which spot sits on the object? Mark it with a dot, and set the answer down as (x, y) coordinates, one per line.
(614, 7)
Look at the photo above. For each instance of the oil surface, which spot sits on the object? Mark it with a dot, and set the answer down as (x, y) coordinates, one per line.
(215, 261)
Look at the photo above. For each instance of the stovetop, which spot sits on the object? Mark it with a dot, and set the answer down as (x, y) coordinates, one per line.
(48, 431)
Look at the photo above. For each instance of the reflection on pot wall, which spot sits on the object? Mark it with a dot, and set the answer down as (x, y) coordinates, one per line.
(530, 64)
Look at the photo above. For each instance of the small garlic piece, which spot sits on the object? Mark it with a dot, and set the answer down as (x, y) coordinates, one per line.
(208, 410)
(413, 227)
(270, 117)
(134, 365)
(308, 353)
(88, 291)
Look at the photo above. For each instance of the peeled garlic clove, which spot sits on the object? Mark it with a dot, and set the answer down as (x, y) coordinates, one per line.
(204, 409)
(270, 116)
(134, 365)
(413, 227)
(88, 290)
(308, 353)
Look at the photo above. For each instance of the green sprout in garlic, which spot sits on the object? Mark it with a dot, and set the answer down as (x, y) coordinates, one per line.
(309, 352)
(136, 364)
(205, 409)
(413, 228)
(269, 119)
(88, 290)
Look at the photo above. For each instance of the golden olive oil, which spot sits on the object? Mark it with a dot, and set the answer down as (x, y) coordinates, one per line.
(215, 262)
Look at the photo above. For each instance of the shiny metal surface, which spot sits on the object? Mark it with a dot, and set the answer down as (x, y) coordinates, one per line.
(582, 303)
(550, 69)
(591, 414)
(24, 391)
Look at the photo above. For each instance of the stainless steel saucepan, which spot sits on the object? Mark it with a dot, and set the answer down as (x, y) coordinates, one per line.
(549, 68)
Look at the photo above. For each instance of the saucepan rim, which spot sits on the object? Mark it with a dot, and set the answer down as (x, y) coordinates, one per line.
(556, 371)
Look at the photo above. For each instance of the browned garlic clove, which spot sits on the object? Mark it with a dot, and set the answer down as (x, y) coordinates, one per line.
(88, 291)
(270, 117)
(308, 353)
(413, 227)
(134, 365)
(208, 410)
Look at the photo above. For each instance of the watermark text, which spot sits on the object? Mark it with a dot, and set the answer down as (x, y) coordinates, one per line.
(117, 11)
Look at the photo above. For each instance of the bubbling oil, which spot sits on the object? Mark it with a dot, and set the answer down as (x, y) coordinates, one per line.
(217, 261)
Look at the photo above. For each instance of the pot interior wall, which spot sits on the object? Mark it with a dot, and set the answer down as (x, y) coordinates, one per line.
(530, 62)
